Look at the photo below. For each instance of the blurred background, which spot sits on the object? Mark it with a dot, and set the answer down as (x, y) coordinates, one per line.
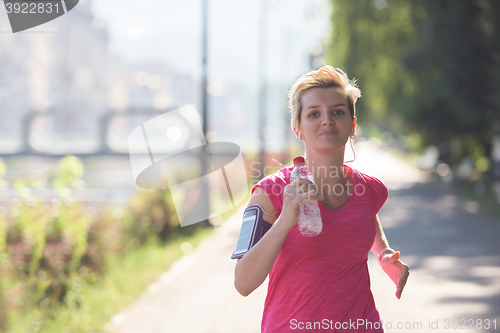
(73, 224)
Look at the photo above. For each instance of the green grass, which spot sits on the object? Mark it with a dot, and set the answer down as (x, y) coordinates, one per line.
(91, 306)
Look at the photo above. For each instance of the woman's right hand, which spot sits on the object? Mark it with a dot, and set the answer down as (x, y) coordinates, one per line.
(253, 268)
(294, 193)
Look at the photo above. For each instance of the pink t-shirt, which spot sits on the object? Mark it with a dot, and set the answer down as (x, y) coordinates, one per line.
(321, 284)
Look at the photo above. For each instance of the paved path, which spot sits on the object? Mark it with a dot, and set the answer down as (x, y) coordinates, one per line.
(454, 257)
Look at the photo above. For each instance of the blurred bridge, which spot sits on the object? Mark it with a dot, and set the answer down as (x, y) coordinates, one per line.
(108, 176)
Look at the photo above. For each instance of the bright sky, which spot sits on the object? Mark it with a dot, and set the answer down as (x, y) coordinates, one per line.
(170, 31)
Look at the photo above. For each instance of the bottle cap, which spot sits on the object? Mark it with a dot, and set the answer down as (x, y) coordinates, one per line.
(298, 159)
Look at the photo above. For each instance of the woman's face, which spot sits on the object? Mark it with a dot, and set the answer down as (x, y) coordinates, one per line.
(325, 120)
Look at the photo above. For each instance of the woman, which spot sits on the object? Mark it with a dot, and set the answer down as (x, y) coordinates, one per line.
(321, 283)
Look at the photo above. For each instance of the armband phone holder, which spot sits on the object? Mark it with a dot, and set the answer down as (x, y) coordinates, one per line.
(253, 228)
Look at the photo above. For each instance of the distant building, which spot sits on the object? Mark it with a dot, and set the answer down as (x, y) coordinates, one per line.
(59, 80)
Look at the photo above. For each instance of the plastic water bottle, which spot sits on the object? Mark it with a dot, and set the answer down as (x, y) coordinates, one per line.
(309, 219)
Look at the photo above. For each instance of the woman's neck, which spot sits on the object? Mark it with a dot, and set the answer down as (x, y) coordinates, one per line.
(326, 168)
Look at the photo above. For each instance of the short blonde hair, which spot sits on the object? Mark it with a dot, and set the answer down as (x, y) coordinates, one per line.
(325, 77)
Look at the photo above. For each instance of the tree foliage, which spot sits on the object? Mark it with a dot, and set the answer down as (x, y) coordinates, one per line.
(424, 66)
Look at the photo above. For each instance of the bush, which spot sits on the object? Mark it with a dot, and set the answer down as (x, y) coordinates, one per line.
(48, 250)
(150, 215)
(45, 245)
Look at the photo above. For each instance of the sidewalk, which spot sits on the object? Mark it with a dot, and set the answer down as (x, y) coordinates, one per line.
(454, 257)
(197, 294)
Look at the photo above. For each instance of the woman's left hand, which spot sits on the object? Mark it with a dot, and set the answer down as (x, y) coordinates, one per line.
(397, 270)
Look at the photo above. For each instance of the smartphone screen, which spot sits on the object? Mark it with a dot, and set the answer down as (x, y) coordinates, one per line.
(243, 244)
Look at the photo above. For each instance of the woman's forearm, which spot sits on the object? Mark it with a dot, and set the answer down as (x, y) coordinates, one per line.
(380, 241)
(253, 268)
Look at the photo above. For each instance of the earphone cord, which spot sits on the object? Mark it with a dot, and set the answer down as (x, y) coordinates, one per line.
(352, 148)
